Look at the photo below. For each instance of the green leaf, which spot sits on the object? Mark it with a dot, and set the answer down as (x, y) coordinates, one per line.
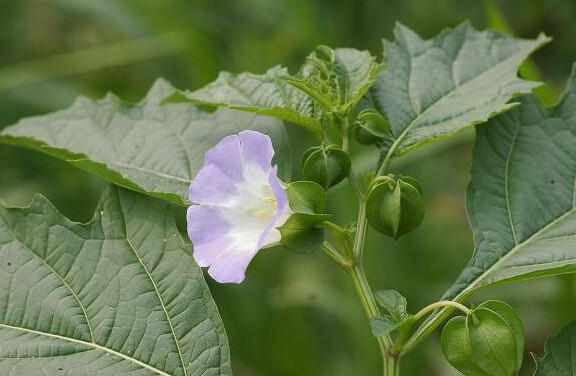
(148, 147)
(120, 295)
(560, 355)
(300, 99)
(260, 93)
(433, 88)
(336, 79)
(383, 325)
(393, 302)
(521, 199)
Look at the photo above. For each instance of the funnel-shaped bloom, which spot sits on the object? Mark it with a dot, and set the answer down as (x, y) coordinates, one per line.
(239, 205)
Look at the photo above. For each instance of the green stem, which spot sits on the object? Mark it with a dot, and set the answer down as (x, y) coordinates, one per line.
(429, 325)
(360, 232)
(371, 309)
(335, 255)
(393, 367)
(354, 266)
(440, 304)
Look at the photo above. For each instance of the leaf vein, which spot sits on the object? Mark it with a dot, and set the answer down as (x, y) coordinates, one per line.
(89, 344)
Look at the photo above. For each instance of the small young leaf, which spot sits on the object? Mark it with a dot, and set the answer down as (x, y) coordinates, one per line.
(393, 302)
(336, 79)
(300, 99)
(264, 94)
(120, 295)
(383, 325)
(560, 354)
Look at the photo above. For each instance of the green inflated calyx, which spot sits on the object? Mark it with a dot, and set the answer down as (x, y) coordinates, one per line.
(488, 341)
(395, 205)
(326, 165)
(302, 232)
(371, 127)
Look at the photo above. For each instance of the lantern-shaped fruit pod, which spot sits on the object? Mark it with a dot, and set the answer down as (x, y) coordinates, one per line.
(395, 205)
(371, 127)
(327, 165)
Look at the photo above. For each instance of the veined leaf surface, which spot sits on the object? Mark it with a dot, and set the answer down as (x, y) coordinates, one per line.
(291, 98)
(150, 147)
(560, 354)
(521, 200)
(433, 88)
(263, 93)
(117, 296)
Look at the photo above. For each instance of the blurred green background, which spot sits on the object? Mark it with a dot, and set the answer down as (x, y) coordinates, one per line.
(295, 315)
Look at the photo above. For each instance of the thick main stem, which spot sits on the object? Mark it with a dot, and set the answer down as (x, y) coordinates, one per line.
(356, 271)
(371, 309)
(393, 367)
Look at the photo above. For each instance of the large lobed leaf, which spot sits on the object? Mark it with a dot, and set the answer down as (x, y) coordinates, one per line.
(521, 200)
(117, 296)
(433, 88)
(278, 94)
(149, 147)
(560, 354)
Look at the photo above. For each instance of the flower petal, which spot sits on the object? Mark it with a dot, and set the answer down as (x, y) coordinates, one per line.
(231, 266)
(282, 212)
(227, 156)
(211, 186)
(256, 148)
(241, 204)
(205, 224)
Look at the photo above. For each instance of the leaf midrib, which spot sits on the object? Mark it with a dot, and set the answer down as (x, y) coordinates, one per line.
(160, 299)
(93, 343)
(61, 278)
(526, 242)
(409, 127)
(95, 346)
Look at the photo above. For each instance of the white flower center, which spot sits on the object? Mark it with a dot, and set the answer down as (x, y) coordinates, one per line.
(268, 208)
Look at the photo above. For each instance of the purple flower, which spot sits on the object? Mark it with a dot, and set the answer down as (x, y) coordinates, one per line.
(240, 204)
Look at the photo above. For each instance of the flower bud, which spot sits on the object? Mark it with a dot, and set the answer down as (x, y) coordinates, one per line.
(395, 206)
(324, 53)
(371, 127)
(326, 165)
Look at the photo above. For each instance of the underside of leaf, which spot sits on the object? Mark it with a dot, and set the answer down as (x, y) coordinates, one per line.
(150, 147)
(433, 88)
(117, 296)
